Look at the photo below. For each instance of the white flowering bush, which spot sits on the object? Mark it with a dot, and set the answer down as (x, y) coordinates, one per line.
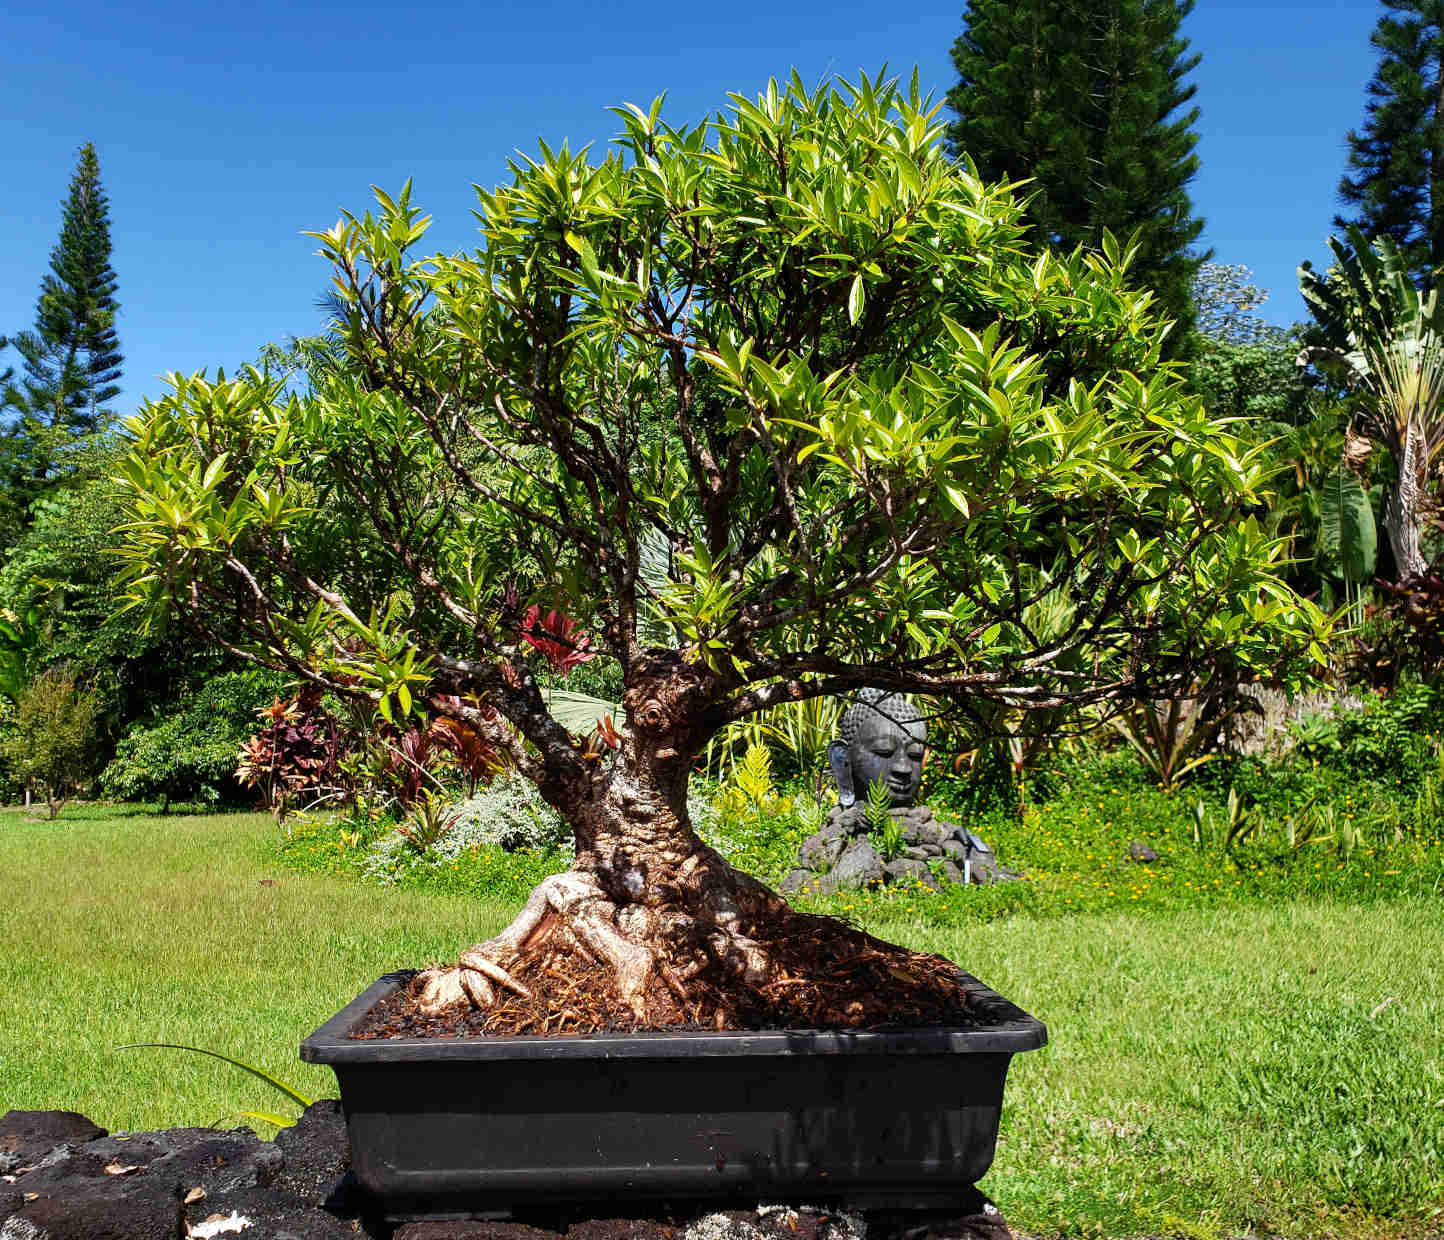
(508, 813)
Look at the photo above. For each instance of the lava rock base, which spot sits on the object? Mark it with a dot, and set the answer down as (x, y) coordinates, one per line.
(64, 1178)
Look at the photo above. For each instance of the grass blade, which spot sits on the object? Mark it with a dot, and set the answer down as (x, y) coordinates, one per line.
(236, 1063)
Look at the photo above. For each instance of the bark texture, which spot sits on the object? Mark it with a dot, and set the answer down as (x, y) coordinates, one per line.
(1402, 507)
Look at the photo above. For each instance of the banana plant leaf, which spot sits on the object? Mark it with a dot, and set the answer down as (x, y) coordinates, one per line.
(1348, 537)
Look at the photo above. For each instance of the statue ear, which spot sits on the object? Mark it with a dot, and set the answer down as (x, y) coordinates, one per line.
(842, 773)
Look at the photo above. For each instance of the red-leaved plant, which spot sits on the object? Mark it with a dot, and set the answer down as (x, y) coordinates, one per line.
(1405, 631)
(556, 637)
(401, 764)
(296, 753)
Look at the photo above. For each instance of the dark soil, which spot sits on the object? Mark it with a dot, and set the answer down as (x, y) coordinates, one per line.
(829, 975)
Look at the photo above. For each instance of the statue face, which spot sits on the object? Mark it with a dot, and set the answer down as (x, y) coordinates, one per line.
(889, 753)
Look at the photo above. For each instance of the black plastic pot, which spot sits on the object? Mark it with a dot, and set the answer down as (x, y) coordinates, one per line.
(455, 1126)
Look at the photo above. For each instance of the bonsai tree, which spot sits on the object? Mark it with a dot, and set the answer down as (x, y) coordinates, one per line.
(774, 406)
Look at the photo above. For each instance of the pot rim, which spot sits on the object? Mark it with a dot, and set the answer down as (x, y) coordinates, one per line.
(1011, 1030)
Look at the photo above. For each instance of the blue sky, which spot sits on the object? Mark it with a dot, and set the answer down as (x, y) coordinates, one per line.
(225, 133)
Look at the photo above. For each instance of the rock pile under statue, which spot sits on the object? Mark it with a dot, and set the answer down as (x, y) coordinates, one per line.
(883, 742)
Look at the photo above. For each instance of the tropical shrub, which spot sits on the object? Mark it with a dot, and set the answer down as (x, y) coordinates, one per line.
(1392, 737)
(429, 822)
(296, 755)
(1384, 339)
(1403, 633)
(509, 813)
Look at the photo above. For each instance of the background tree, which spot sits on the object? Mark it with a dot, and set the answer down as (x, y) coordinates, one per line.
(1247, 369)
(717, 386)
(71, 359)
(51, 746)
(189, 752)
(1084, 101)
(1395, 176)
(1243, 365)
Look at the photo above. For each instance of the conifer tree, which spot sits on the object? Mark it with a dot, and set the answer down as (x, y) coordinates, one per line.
(72, 358)
(1395, 176)
(1085, 100)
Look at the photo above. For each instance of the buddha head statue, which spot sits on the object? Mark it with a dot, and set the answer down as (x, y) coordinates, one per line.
(883, 741)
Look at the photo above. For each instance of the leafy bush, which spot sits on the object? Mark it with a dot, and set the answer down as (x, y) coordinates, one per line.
(508, 817)
(801, 733)
(1404, 633)
(296, 754)
(190, 754)
(429, 822)
(749, 787)
(761, 837)
(1169, 737)
(390, 767)
(886, 835)
(1392, 737)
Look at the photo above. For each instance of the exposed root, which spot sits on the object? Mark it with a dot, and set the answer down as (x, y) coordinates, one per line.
(475, 960)
(575, 961)
(562, 897)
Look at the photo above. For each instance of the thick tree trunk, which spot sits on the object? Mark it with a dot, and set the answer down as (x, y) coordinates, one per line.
(646, 900)
(650, 928)
(1402, 508)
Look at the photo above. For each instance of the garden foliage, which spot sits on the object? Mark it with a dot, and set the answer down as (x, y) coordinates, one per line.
(50, 746)
(1385, 340)
(190, 752)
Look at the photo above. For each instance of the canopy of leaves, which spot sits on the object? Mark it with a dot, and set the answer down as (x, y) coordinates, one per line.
(758, 390)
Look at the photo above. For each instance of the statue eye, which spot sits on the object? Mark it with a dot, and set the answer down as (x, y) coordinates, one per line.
(883, 747)
(915, 752)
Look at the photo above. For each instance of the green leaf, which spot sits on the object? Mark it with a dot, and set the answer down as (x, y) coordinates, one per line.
(269, 1117)
(214, 471)
(957, 498)
(856, 299)
(1348, 538)
(581, 712)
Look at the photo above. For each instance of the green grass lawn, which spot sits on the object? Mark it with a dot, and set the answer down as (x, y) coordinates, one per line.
(120, 929)
(1213, 1069)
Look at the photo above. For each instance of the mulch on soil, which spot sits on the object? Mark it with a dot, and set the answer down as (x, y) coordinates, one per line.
(829, 975)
